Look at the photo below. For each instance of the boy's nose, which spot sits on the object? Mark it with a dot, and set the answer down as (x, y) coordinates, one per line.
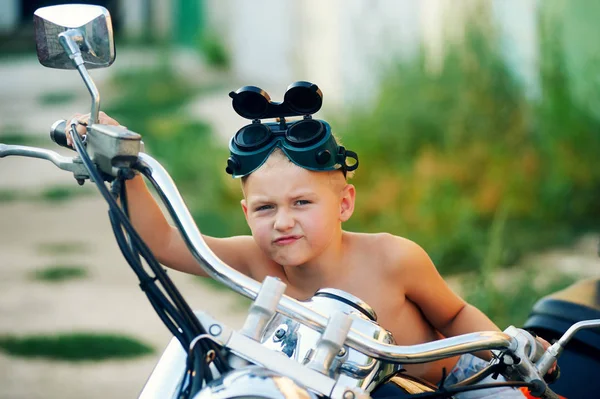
(283, 221)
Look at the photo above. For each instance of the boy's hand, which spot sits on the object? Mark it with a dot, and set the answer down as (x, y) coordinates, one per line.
(546, 345)
(83, 119)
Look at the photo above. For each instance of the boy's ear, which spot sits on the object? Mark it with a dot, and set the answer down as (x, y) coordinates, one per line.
(244, 208)
(347, 202)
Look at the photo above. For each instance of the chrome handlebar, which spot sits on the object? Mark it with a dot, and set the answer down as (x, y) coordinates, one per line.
(294, 309)
(249, 288)
(73, 165)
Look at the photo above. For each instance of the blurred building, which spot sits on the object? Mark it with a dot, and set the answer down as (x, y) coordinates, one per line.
(17, 13)
(345, 45)
(342, 45)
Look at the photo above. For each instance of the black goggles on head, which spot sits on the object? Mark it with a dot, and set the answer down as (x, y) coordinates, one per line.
(307, 143)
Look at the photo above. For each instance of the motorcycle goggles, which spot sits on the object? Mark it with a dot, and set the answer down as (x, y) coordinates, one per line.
(308, 143)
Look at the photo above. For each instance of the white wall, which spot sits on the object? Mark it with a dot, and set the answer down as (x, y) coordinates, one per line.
(518, 23)
(337, 44)
(134, 24)
(9, 15)
(374, 34)
(263, 44)
(132, 14)
(344, 45)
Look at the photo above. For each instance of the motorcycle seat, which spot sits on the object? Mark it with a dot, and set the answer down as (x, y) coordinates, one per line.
(557, 312)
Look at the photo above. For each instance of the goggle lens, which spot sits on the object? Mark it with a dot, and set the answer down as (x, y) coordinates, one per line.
(252, 137)
(305, 133)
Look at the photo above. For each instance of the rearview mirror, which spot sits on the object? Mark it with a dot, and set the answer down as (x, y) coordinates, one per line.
(90, 28)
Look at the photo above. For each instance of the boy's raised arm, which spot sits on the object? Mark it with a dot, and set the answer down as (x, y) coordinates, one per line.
(166, 242)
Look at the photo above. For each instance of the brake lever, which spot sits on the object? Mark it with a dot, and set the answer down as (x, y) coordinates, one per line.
(73, 165)
(521, 363)
(555, 350)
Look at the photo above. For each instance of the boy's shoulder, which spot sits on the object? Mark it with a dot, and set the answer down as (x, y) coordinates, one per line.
(393, 253)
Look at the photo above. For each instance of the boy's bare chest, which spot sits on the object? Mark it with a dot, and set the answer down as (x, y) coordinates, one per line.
(386, 297)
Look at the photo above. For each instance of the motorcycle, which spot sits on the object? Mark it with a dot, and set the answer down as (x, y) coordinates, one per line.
(329, 346)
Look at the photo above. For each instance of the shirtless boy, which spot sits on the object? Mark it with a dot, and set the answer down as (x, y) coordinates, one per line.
(296, 215)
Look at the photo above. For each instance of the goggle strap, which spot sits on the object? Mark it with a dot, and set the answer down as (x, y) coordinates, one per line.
(343, 153)
(353, 155)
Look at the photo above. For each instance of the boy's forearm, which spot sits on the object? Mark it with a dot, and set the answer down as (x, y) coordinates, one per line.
(151, 224)
(147, 217)
(468, 320)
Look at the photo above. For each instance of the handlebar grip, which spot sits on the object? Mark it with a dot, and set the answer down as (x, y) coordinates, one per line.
(552, 377)
(57, 133)
(550, 394)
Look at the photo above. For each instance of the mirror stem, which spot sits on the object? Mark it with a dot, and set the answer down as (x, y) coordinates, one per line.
(93, 92)
(70, 40)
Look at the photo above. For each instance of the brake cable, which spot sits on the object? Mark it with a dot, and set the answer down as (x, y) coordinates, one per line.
(176, 315)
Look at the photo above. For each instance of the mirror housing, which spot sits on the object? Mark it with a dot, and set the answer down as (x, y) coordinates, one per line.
(89, 28)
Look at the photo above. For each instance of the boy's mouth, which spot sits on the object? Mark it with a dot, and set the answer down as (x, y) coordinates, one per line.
(286, 240)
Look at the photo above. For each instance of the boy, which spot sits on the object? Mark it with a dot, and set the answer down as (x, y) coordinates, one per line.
(295, 216)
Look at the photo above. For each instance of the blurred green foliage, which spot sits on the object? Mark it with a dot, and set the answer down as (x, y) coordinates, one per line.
(214, 51)
(507, 296)
(151, 102)
(511, 303)
(442, 151)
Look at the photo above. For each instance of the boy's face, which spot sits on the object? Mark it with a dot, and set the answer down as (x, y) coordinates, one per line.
(295, 214)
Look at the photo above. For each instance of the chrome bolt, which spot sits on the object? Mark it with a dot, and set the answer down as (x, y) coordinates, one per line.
(279, 334)
(342, 352)
(215, 330)
(508, 360)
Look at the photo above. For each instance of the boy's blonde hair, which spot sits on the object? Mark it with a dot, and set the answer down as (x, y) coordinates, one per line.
(278, 153)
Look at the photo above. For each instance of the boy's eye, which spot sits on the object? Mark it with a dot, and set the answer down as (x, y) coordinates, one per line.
(263, 208)
(302, 202)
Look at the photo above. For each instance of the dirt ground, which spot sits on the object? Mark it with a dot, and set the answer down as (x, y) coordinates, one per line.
(109, 300)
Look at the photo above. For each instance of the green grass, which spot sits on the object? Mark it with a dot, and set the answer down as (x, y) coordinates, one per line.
(8, 196)
(60, 273)
(58, 193)
(54, 98)
(62, 248)
(511, 302)
(74, 347)
(62, 193)
(15, 137)
(54, 194)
